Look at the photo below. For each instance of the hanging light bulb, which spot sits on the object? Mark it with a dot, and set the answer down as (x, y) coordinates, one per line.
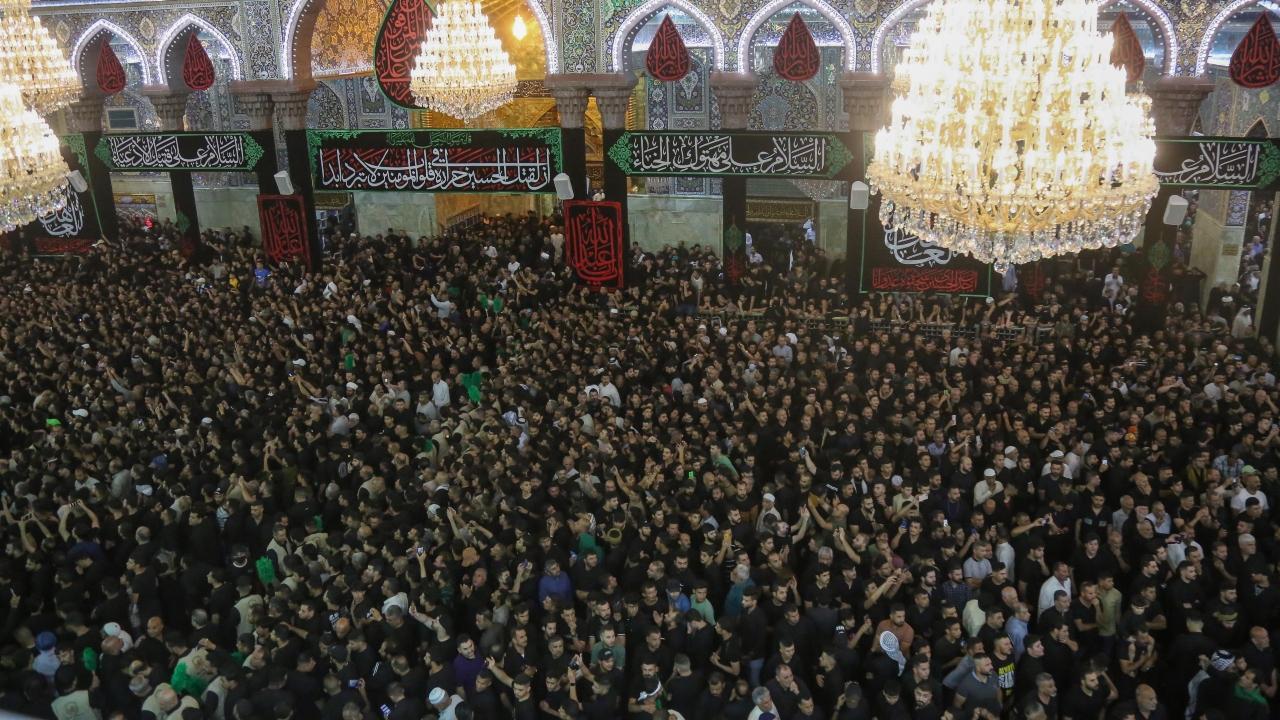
(518, 30)
(32, 171)
(31, 58)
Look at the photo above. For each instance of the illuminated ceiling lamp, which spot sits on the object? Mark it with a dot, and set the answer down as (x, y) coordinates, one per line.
(32, 171)
(461, 69)
(518, 29)
(1011, 137)
(31, 58)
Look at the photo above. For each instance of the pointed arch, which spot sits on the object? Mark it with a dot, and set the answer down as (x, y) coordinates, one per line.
(645, 12)
(831, 14)
(1153, 12)
(1206, 42)
(95, 30)
(165, 46)
(295, 45)
(1258, 129)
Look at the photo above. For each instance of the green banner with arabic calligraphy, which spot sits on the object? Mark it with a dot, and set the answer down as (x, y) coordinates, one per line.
(1227, 163)
(729, 154)
(178, 152)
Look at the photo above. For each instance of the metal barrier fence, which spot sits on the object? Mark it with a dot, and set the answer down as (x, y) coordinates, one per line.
(930, 330)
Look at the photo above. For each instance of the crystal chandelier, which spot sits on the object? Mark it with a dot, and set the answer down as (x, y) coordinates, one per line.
(32, 171)
(1011, 137)
(462, 69)
(30, 57)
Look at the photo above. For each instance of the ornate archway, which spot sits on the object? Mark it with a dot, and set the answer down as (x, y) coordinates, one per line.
(1221, 20)
(644, 13)
(762, 16)
(104, 30)
(169, 48)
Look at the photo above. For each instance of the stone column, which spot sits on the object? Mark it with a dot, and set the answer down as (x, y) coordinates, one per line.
(734, 93)
(253, 98)
(866, 102)
(1266, 317)
(171, 109)
(171, 106)
(84, 116)
(289, 100)
(572, 94)
(1175, 102)
(613, 98)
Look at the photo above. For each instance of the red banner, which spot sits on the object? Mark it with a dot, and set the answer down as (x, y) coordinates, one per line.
(796, 58)
(63, 246)
(1256, 61)
(284, 228)
(593, 241)
(110, 73)
(197, 68)
(403, 29)
(667, 58)
(1126, 49)
(909, 279)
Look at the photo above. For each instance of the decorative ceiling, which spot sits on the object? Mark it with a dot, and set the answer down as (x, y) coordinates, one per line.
(344, 36)
(346, 30)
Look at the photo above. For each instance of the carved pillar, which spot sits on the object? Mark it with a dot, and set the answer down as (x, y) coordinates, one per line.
(84, 115)
(866, 101)
(171, 109)
(734, 93)
(171, 106)
(254, 100)
(613, 98)
(572, 94)
(1175, 102)
(290, 100)
(290, 103)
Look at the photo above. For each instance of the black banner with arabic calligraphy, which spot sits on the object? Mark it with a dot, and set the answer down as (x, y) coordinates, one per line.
(730, 154)
(892, 261)
(283, 219)
(179, 152)
(593, 241)
(1219, 162)
(75, 227)
(511, 160)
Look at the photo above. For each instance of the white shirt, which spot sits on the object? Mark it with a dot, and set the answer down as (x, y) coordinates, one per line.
(610, 391)
(1047, 590)
(1242, 496)
(440, 393)
(450, 712)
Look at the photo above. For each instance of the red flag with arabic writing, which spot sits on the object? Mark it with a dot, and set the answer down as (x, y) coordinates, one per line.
(796, 58)
(1126, 49)
(110, 73)
(1256, 61)
(667, 58)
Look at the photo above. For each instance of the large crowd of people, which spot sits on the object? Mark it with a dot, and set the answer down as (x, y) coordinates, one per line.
(441, 479)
